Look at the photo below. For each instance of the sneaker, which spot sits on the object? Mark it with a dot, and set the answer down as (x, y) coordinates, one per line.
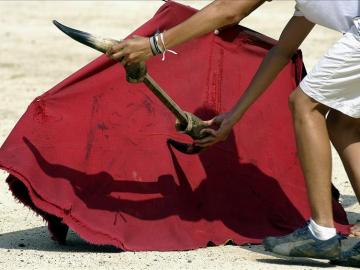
(302, 243)
(350, 257)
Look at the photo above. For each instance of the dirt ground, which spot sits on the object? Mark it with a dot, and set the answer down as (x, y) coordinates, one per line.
(34, 56)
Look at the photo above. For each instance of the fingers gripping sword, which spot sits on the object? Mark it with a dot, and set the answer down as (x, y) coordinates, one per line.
(186, 122)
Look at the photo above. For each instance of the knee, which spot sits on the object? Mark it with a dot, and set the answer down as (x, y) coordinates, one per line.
(298, 106)
(293, 101)
(304, 108)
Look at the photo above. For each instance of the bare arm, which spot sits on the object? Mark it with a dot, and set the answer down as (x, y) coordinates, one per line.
(290, 40)
(214, 16)
(292, 36)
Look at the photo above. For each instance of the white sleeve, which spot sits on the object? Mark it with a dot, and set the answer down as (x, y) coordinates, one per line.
(297, 12)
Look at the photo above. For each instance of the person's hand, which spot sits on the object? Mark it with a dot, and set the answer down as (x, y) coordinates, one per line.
(215, 136)
(131, 51)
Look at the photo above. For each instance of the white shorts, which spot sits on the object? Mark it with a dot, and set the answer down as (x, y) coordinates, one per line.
(335, 80)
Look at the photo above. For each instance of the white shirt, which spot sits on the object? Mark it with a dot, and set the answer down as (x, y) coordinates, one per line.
(333, 14)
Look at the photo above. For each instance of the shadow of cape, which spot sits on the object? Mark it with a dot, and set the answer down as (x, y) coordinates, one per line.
(37, 239)
(240, 195)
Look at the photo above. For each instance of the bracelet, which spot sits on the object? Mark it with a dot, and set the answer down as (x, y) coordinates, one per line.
(161, 48)
(156, 42)
(156, 48)
(164, 47)
(152, 47)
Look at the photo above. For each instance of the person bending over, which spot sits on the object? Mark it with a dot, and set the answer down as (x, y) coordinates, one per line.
(325, 107)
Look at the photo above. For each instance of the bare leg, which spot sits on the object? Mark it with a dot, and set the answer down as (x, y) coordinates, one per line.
(314, 153)
(344, 133)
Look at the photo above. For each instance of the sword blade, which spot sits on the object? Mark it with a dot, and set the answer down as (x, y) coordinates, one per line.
(135, 73)
(95, 42)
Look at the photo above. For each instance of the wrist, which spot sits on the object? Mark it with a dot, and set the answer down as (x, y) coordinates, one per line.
(231, 119)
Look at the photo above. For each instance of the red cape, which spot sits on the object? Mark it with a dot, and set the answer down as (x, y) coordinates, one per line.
(92, 151)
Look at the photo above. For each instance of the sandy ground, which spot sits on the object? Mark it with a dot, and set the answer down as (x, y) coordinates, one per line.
(34, 56)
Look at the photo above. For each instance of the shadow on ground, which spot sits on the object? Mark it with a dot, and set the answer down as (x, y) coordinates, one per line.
(346, 244)
(348, 200)
(353, 217)
(297, 262)
(284, 260)
(38, 239)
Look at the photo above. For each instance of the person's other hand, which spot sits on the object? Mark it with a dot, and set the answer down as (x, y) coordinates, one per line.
(130, 51)
(215, 136)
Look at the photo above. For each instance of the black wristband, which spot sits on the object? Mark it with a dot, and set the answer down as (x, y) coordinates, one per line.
(152, 46)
